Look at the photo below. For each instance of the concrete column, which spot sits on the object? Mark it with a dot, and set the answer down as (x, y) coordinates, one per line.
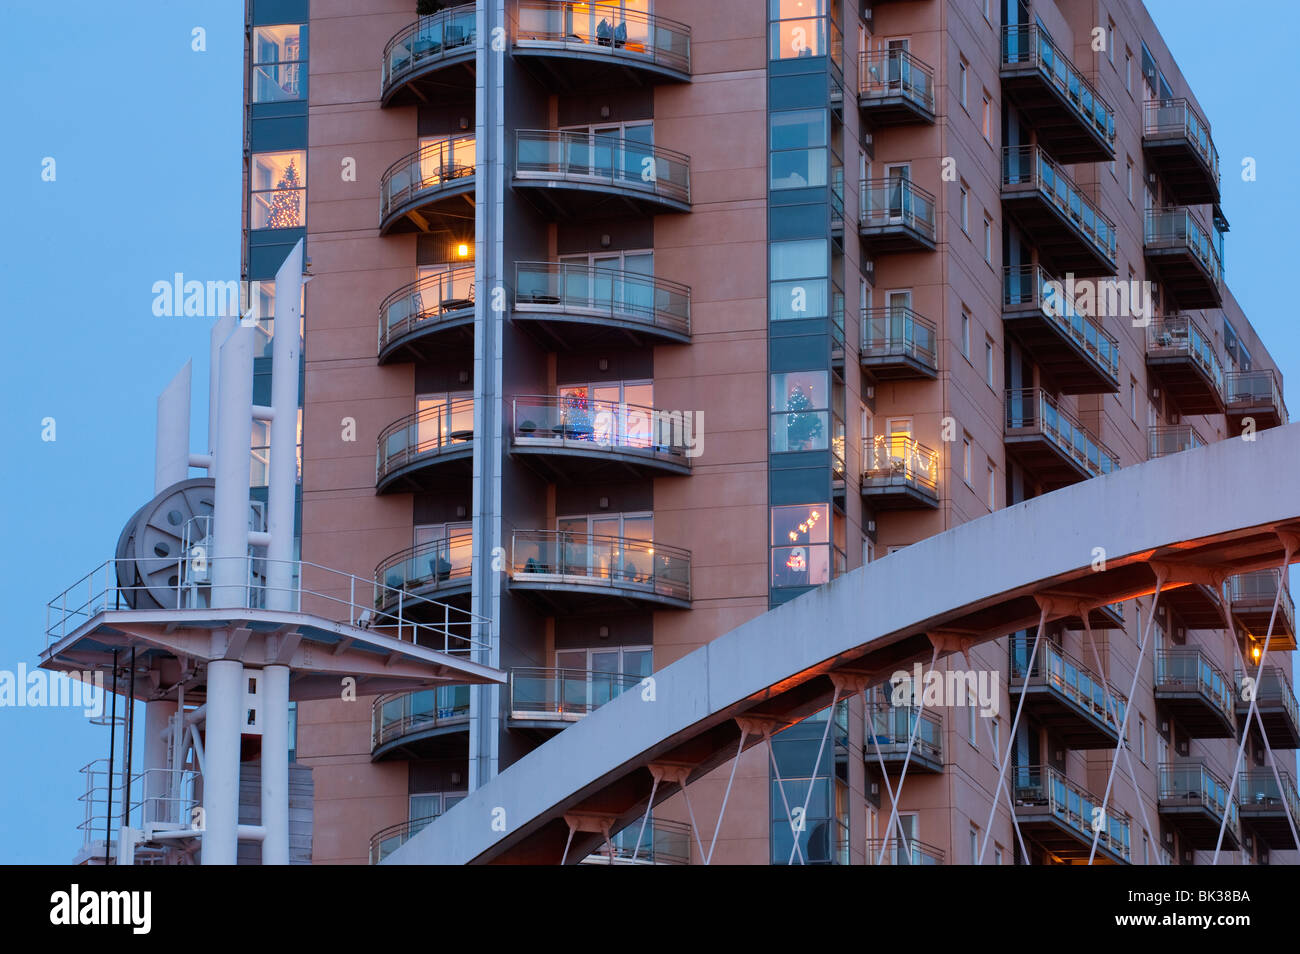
(158, 784)
(275, 765)
(225, 708)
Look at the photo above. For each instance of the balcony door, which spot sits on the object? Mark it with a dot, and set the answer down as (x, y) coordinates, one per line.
(613, 414)
(444, 418)
(595, 676)
(614, 282)
(900, 76)
(900, 198)
(613, 547)
(900, 334)
(615, 151)
(444, 550)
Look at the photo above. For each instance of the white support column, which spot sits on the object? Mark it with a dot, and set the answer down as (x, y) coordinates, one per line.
(231, 464)
(221, 761)
(275, 765)
(220, 332)
(157, 782)
(172, 445)
(283, 478)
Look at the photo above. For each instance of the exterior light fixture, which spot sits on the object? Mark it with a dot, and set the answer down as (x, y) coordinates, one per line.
(462, 250)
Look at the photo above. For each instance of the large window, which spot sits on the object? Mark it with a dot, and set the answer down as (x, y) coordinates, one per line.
(279, 63)
(798, 28)
(278, 189)
(799, 279)
(446, 418)
(622, 151)
(609, 546)
(448, 547)
(612, 413)
(622, 281)
(799, 156)
(801, 553)
(608, 671)
(800, 411)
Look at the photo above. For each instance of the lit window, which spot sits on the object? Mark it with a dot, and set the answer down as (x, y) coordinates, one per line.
(798, 28)
(799, 411)
(801, 545)
(279, 67)
(278, 189)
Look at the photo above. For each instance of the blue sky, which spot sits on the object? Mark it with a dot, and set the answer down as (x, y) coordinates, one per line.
(146, 136)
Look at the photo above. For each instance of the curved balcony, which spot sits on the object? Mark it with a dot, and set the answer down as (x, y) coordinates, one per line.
(1194, 800)
(431, 57)
(1050, 443)
(426, 450)
(662, 842)
(583, 306)
(556, 698)
(430, 190)
(897, 343)
(1177, 142)
(897, 215)
(416, 320)
(567, 438)
(895, 88)
(1254, 395)
(1067, 227)
(1183, 257)
(1183, 357)
(387, 840)
(410, 725)
(899, 473)
(1079, 355)
(437, 569)
(576, 572)
(579, 46)
(573, 175)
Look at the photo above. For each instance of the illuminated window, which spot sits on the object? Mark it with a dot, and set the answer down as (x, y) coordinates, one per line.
(278, 189)
(798, 28)
(617, 413)
(801, 545)
(279, 63)
(800, 416)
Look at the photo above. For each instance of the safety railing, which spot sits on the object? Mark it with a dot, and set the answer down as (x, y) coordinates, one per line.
(890, 727)
(1074, 806)
(587, 159)
(241, 583)
(1258, 588)
(1030, 286)
(893, 331)
(1254, 389)
(618, 562)
(895, 73)
(1031, 167)
(429, 169)
(428, 40)
(563, 694)
(1190, 670)
(425, 303)
(442, 560)
(567, 288)
(1067, 676)
(914, 852)
(423, 434)
(1027, 44)
(1172, 439)
(1034, 410)
(896, 457)
(1270, 687)
(1192, 783)
(399, 714)
(1260, 791)
(1180, 335)
(387, 840)
(662, 842)
(157, 799)
(602, 29)
(1178, 228)
(1164, 117)
(897, 201)
(570, 421)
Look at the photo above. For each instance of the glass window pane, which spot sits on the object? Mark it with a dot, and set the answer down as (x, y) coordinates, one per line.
(802, 259)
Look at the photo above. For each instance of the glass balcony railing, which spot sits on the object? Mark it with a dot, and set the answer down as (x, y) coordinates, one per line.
(890, 727)
(1178, 117)
(1190, 670)
(621, 562)
(564, 695)
(1026, 44)
(1177, 228)
(1192, 783)
(428, 40)
(585, 159)
(898, 458)
(661, 843)
(1069, 678)
(891, 73)
(603, 292)
(426, 433)
(894, 332)
(396, 715)
(1271, 688)
(1255, 389)
(897, 202)
(1030, 167)
(427, 171)
(604, 30)
(1260, 793)
(600, 425)
(426, 303)
(443, 560)
(1180, 335)
(1030, 286)
(1174, 439)
(897, 853)
(1254, 593)
(1033, 410)
(386, 841)
(1073, 805)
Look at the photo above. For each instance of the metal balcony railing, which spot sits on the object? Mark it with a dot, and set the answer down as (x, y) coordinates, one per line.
(1191, 782)
(1035, 411)
(567, 288)
(1027, 44)
(1165, 117)
(1270, 687)
(1259, 790)
(890, 727)
(161, 799)
(896, 853)
(1030, 166)
(899, 332)
(442, 560)
(1255, 388)
(617, 562)
(891, 457)
(1178, 228)
(599, 425)
(425, 303)
(1068, 677)
(662, 842)
(387, 840)
(897, 201)
(583, 158)
(1032, 286)
(398, 714)
(604, 30)
(429, 169)
(1172, 439)
(896, 73)
(1190, 670)
(1182, 335)
(425, 433)
(561, 695)
(1073, 805)
(429, 39)
(1258, 588)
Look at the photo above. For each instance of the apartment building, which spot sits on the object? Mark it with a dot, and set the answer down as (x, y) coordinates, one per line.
(632, 320)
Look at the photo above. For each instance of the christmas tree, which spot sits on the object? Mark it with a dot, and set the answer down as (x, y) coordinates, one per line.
(576, 413)
(802, 427)
(286, 211)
